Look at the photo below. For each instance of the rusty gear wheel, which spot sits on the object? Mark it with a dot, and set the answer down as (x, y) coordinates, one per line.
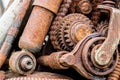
(72, 29)
(61, 13)
(88, 58)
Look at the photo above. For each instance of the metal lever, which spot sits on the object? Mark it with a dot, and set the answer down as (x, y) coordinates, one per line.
(64, 59)
(104, 54)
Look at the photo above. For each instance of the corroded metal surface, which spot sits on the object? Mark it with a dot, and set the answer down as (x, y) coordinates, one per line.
(104, 54)
(42, 76)
(54, 57)
(69, 59)
(96, 13)
(61, 14)
(88, 58)
(33, 78)
(84, 36)
(73, 6)
(37, 27)
(48, 4)
(9, 16)
(49, 75)
(71, 29)
(110, 3)
(103, 28)
(8, 5)
(2, 75)
(115, 75)
(84, 7)
(1, 8)
(22, 62)
(13, 32)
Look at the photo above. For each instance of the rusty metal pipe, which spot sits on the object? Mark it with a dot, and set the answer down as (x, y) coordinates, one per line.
(1, 8)
(8, 18)
(10, 2)
(38, 24)
(13, 32)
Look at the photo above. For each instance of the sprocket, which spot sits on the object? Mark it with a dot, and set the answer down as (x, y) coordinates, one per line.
(61, 13)
(73, 28)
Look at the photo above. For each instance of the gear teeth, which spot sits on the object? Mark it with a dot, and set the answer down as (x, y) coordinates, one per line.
(68, 41)
(61, 13)
(60, 29)
(66, 37)
(63, 34)
(66, 31)
(71, 44)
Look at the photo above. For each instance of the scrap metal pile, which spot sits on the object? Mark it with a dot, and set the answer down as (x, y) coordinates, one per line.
(60, 40)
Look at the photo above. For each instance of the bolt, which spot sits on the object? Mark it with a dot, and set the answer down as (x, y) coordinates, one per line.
(27, 63)
(67, 60)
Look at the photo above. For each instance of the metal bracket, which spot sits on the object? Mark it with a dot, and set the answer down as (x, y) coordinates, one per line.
(104, 54)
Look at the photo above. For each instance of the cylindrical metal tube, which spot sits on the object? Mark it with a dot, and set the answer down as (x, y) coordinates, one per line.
(1, 8)
(8, 18)
(13, 32)
(53, 60)
(8, 5)
(38, 24)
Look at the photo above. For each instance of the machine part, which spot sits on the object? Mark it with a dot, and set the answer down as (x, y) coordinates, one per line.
(61, 13)
(42, 76)
(1, 8)
(96, 13)
(115, 75)
(9, 16)
(84, 7)
(71, 29)
(22, 62)
(10, 74)
(8, 5)
(54, 57)
(2, 75)
(38, 25)
(73, 6)
(118, 4)
(52, 6)
(110, 3)
(13, 32)
(104, 54)
(88, 58)
(34, 78)
(49, 75)
(69, 59)
(103, 28)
